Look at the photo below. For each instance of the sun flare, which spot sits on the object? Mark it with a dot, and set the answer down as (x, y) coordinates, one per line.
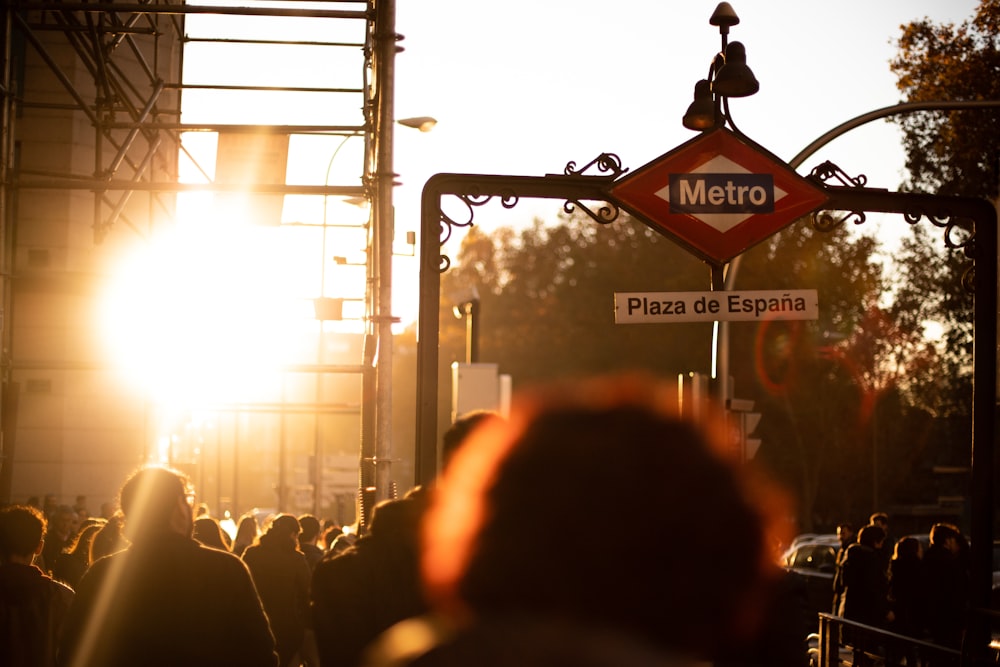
(207, 313)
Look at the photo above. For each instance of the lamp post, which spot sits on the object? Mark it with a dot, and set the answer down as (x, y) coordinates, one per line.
(375, 402)
(728, 76)
(379, 171)
(467, 307)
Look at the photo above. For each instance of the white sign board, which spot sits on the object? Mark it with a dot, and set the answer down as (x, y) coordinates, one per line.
(747, 306)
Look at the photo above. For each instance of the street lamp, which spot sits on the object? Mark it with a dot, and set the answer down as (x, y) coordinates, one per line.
(466, 305)
(728, 76)
(422, 123)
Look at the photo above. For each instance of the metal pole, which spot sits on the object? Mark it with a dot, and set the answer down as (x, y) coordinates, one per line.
(8, 397)
(507, 190)
(385, 42)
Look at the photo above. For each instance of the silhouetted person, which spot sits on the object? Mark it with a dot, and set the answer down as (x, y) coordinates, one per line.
(208, 531)
(866, 587)
(281, 574)
(846, 535)
(247, 533)
(370, 586)
(509, 559)
(166, 599)
(108, 510)
(946, 586)
(359, 593)
(906, 593)
(109, 539)
(74, 562)
(881, 519)
(59, 535)
(314, 553)
(49, 505)
(33, 607)
(307, 540)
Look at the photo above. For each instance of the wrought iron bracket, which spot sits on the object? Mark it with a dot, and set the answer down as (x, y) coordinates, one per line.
(475, 190)
(954, 215)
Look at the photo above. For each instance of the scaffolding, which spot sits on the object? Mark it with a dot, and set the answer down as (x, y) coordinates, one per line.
(114, 103)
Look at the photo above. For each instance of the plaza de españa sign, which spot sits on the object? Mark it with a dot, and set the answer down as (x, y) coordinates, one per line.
(717, 195)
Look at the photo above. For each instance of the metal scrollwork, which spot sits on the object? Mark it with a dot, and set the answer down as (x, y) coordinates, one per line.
(969, 279)
(604, 215)
(957, 236)
(472, 199)
(606, 163)
(825, 221)
(828, 170)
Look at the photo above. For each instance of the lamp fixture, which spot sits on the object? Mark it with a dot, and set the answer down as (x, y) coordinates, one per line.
(701, 114)
(735, 79)
(422, 123)
(728, 76)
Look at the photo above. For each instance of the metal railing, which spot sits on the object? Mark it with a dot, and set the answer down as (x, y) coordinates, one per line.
(844, 642)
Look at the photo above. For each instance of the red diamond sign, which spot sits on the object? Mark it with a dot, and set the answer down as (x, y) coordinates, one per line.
(717, 195)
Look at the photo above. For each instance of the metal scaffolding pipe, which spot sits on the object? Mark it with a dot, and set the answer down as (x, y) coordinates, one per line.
(385, 49)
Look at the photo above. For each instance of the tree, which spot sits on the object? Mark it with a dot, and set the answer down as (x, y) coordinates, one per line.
(813, 384)
(929, 299)
(948, 153)
(547, 298)
(952, 152)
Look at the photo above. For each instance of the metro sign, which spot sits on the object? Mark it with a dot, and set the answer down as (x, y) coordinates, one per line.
(717, 195)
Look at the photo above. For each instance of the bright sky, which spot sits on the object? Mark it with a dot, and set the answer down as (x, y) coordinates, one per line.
(524, 86)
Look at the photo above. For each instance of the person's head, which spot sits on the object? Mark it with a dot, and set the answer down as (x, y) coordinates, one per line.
(63, 522)
(247, 530)
(109, 539)
(946, 535)
(845, 532)
(880, 519)
(330, 534)
(907, 548)
(872, 536)
(81, 545)
(21, 531)
(284, 529)
(108, 509)
(310, 529)
(459, 431)
(208, 531)
(157, 500)
(510, 527)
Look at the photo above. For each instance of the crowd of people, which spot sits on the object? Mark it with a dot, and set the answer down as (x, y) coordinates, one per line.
(901, 587)
(510, 557)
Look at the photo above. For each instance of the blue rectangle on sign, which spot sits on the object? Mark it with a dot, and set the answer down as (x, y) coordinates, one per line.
(721, 193)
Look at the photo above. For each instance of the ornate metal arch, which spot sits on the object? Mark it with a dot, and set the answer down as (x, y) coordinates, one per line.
(851, 196)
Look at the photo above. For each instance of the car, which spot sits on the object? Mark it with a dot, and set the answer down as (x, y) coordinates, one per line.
(813, 559)
(812, 552)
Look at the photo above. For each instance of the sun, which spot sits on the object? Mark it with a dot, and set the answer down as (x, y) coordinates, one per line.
(207, 312)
